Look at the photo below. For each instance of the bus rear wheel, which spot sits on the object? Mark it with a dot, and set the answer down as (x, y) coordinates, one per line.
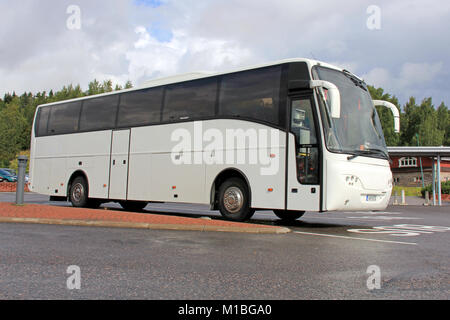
(234, 201)
(133, 205)
(288, 215)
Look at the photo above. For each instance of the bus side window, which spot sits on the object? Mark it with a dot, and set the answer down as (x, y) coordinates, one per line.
(302, 123)
(42, 121)
(140, 107)
(307, 149)
(251, 94)
(99, 113)
(190, 100)
(64, 118)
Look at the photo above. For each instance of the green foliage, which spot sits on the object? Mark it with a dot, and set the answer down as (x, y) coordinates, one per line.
(128, 85)
(445, 188)
(13, 131)
(17, 114)
(386, 117)
(14, 164)
(409, 191)
(443, 118)
(427, 125)
(419, 124)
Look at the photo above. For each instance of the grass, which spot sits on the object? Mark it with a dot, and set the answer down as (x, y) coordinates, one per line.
(409, 191)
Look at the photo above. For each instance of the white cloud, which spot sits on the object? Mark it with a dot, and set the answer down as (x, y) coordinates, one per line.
(118, 41)
(379, 77)
(413, 74)
(150, 58)
(410, 75)
(413, 79)
(352, 66)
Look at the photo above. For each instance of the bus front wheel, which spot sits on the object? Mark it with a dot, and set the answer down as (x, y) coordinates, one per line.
(79, 193)
(234, 201)
(288, 215)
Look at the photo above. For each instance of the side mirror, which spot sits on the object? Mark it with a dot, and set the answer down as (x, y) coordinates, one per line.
(394, 111)
(333, 92)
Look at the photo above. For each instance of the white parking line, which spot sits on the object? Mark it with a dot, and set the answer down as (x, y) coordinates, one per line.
(370, 212)
(384, 218)
(353, 238)
(341, 218)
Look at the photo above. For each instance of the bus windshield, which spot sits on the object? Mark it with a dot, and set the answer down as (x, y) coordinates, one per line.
(358, 130)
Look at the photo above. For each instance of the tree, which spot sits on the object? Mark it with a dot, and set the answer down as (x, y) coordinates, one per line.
(408, 120)
(107, 86)
(386, 118)
(14, 163)
(443, 118)
(13, 132)
(7, 98)
(128, 85)
(426, 124)
(94, 88)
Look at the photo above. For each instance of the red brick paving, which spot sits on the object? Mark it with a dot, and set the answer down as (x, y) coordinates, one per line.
(11, 187)
(70, 213)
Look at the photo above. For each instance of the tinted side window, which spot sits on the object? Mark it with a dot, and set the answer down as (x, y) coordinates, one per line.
(42, 121)
(140, 107)
(194, 99)
(254, 94)
(64, 118)
(99, 113)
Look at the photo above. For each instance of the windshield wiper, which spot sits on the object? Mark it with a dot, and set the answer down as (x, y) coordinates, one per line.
(367, 151)
(355, 80)
(353, 156)
(376, 150)
(386, 155)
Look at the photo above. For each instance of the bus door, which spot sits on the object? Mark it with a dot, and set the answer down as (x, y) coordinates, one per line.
(303, 159)
(118, 177)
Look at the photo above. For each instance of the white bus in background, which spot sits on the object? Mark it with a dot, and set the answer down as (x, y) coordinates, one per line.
(329, 151)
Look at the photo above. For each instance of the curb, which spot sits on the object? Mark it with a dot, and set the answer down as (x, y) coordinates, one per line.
(153, 226)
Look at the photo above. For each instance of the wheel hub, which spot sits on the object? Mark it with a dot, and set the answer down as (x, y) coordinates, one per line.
(77, 192)
(233, 199)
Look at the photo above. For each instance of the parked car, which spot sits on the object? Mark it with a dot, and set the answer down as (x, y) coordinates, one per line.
(11, 171)
(7, 176)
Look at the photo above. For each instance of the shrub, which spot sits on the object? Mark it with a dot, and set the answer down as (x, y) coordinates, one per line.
(445, 188)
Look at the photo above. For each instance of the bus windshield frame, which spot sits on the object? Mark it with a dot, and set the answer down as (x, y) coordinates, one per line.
(358, 131)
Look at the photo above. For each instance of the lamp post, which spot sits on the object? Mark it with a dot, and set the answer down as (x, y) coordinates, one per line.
(420, 160)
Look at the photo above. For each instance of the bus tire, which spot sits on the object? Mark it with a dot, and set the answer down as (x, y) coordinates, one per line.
(288, 215)
(133, 205)
(79, 192)
(234, 201)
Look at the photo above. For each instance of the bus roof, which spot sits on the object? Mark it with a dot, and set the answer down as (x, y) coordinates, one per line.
(197, 75)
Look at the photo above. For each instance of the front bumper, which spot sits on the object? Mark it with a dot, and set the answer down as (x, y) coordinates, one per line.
(358, 186)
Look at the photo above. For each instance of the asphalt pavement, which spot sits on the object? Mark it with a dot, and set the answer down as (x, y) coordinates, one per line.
(326, 256)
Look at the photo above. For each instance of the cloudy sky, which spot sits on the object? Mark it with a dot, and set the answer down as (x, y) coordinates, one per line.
(45, 44)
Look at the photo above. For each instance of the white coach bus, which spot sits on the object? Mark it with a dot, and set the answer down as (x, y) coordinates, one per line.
(292, 136)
